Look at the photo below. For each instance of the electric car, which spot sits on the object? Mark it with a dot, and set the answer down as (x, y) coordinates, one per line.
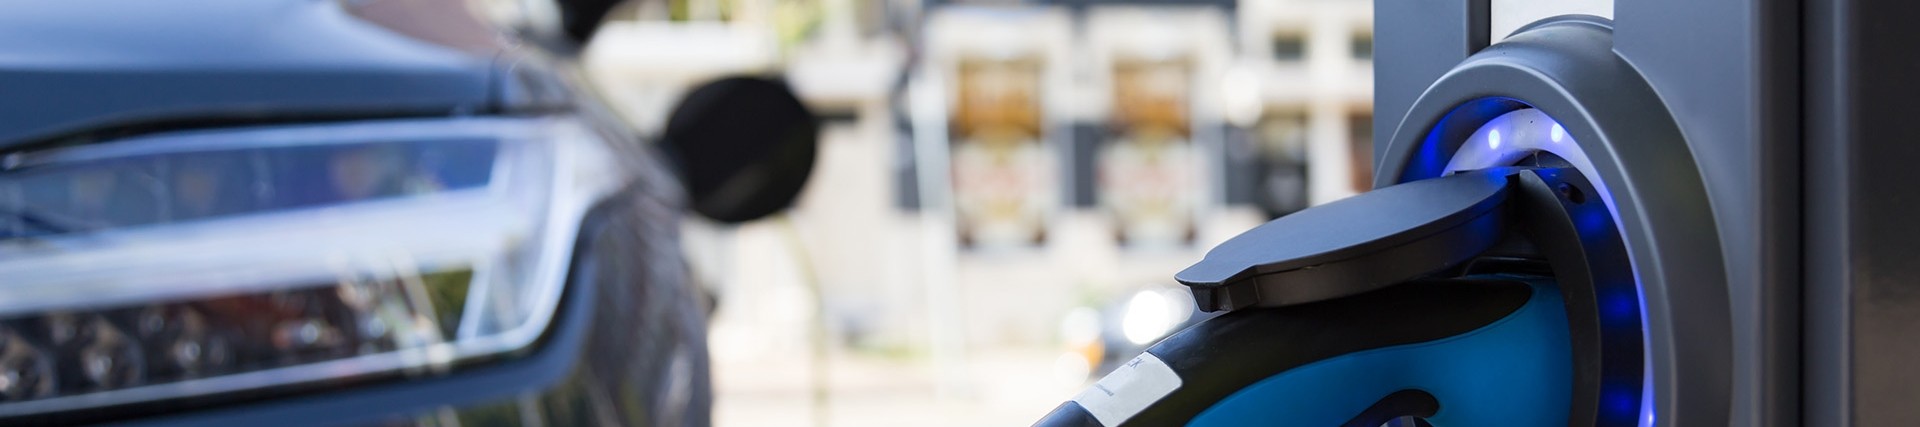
(295, 212)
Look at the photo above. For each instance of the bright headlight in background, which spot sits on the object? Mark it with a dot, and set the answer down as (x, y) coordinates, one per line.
(1153, 313)
(1080, 329)
(220, 261)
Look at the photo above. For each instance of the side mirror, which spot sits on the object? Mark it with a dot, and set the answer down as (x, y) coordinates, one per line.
(580, 18)
(745, 147)
(561, 26)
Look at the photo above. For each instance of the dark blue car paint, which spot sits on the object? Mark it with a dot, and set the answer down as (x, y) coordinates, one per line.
(71, 67)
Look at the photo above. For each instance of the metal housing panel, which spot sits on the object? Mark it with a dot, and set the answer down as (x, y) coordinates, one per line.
(1862, 284)
(1727, 71)
(1414, 42)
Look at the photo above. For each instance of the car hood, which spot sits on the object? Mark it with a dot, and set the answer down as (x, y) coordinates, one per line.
(77, 66)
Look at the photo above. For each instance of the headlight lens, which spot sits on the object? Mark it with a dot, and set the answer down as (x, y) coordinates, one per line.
(215, 262)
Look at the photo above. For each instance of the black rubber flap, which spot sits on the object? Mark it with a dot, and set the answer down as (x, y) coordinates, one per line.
(1358, 244)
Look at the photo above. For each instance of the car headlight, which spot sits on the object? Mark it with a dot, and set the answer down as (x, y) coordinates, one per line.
(1153, 313)
(221, 261)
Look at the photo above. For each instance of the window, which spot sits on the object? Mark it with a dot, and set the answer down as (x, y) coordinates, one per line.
(1360, 130)
(1289, 46)
(1362, 46)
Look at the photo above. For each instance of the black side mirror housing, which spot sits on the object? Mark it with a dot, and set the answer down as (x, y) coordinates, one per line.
(557, 26)
(744, 146)
(580, 18)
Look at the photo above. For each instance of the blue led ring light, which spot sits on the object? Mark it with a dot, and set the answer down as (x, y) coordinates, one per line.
(1514, 136)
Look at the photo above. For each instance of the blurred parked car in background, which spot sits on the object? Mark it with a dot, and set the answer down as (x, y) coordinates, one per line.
(1104, 338)
(291, 212)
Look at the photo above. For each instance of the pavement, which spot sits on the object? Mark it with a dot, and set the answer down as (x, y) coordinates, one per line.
(1001, 387)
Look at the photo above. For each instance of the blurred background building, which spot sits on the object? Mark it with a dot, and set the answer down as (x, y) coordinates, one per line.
(1005, 189)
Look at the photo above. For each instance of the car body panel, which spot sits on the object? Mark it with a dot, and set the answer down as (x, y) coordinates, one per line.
(72, 67)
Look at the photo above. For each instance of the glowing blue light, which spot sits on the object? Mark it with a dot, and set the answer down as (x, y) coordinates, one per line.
(1619, 310)
(1646, 406)
(1622, 402)
(1430, 160)
(1589, 222)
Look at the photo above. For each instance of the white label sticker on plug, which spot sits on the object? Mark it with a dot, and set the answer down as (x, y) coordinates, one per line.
(1128, 390)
